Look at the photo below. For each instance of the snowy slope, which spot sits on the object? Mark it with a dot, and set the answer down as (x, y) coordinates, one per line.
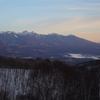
(14, 82)
(39, 79)
(19, 83)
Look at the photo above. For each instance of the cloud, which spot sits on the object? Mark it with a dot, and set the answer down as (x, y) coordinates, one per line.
(92, 4)
(75, 8)
(72, 24)
(84, 6)
(24, 23)
(82, 27)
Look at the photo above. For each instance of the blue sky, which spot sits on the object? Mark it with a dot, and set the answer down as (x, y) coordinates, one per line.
(77, 17)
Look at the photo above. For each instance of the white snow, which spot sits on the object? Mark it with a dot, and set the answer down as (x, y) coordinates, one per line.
(89, 67)
(74, 55)
(22, 82)
(15, 36)
(14, 81)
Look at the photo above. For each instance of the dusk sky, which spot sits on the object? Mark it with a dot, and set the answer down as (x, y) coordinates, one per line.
(77, 17)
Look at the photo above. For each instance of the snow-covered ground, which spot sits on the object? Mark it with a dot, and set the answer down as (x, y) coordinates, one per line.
(20, 82)
(14, 82)
(73, 55)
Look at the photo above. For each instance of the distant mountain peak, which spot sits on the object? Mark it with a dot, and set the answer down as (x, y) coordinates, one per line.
(52, 34)
(70, 35)
(55, 34)
(25, 31)
(28, 33)
(7, 32)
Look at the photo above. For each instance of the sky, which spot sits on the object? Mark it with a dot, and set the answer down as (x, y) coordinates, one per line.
(76, 17)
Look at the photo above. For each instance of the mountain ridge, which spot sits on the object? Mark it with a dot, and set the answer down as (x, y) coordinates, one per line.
(53, 46)
(34, 33)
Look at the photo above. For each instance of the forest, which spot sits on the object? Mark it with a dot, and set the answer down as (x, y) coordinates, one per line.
(42, 79)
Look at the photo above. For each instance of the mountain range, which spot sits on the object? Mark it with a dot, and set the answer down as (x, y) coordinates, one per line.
(53, 46)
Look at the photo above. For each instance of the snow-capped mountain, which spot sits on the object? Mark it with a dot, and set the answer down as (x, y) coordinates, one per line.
(31, 44)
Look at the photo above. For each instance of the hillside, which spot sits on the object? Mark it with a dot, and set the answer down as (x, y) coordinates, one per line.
(28, 79)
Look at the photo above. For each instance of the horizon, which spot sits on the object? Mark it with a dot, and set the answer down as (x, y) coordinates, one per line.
(76, 17)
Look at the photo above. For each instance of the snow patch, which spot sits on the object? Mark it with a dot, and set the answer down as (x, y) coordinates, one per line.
(15, 36)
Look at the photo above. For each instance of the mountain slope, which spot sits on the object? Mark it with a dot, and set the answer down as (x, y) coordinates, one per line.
(30, 44)
(88, 65)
